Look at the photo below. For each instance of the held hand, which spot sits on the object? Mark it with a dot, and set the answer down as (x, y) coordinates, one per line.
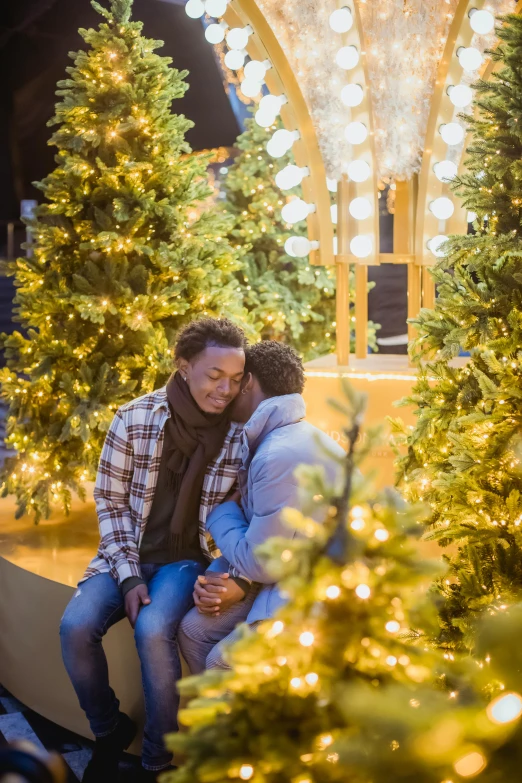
(134, 600)
(216, 593)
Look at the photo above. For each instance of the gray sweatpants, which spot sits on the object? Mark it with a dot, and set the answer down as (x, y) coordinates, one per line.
(202, 637)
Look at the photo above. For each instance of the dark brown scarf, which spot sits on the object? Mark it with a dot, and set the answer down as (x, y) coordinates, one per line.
(192, 438)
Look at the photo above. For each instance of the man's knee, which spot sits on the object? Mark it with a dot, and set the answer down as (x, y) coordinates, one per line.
(76, 630)
(215, 659)
(151, 629)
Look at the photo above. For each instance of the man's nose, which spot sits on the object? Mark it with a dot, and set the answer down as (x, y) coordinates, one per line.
(224, 386)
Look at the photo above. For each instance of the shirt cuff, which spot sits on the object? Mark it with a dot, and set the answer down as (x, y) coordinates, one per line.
(243, 584)
(235, 574)
(130, 583)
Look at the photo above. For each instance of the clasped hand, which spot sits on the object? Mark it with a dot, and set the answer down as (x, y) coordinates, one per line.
(215, 593)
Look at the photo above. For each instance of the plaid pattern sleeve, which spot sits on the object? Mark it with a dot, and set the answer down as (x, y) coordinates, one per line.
(118, 545)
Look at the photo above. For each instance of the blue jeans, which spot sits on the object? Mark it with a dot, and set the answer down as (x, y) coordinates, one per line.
(95, 607)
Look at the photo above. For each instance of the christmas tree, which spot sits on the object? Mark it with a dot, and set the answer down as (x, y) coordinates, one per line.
(117, 264)
(340, 685)
(462, 457)
(288, 299)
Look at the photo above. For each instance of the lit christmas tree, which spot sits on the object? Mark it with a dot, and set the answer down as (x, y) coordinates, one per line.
(462, 456)
(288, 299)
(340, 685)
(117, 265)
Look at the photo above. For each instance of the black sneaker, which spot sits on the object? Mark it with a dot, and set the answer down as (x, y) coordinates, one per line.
(103, 766)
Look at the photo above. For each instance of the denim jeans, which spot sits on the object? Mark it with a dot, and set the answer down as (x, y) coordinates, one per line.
(95, 607)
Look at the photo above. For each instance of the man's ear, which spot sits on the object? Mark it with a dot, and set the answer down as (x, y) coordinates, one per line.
(183, 366)
(247, 384)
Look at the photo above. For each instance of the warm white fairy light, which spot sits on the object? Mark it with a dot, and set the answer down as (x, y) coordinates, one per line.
(307, 639)
(358, 170)
(392, 626)
(347, 57)
(356, 132)
(363, 591)
(235, 59)
(250, 88)
(237, 37)
(505, 708)
(256, 70)
(360, 208)
(341, 20)
(291, 176)
(445, 170)
(381, 534)
(352, 95)
(311, 678)
(296, 210)
(460, 95)
(299, 247)
(333, 592)
(470, 764)
(246, 772)
(452, 132)
(469, 58)
(361, 246)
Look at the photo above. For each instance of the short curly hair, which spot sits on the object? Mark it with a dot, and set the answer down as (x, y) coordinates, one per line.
(206, 332)
(277, 367)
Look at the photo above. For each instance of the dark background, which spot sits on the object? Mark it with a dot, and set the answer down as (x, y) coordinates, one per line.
(35, 39)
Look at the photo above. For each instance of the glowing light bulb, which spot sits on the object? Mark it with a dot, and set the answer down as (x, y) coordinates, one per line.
(291, 176)
(358, 170)
(250, 88)
(363, 591)
(482, 22)
(469, 58)
(246, 772)
(347, 57)
(452, 132)
(299, 247)
(234, 59)
(281, 142)
(296, 682)
(256, 70)
(341, 20)
(445, 170)
(333, 592)
(352, 95)
(272, 103)
(356, 132)
(215, 33)
(333, 214)
(435, 245)
(442, 208)
(505, 708)
(331, 184)
(381, 534)
(470, 764)
(264, 119)
(392, 626)
(460, 95)
(296, 210)
(215, 8)
(237, 37)
(307, 639)
(361, 246)
(360, 208)
(471, 217)
(312, 678)
(194, 9)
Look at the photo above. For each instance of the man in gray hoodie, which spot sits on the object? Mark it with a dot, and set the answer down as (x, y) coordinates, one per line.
(275, 441)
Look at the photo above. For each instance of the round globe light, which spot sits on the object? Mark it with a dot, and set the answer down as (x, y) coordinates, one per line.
(295, 211)
(442, 208)
(460, 95)
(482, 22)
(284, 138)
(331, 184)
(360, 208)
(470, 58)
(347, 57)
(445, 170)
(505, 708)
(291, 176)
(435, 244)
(471, 216)
(250, 88)
(356, 132)
(341, 20)
(215, 33)
(272, 103)
(234, 59)
(289, 247)
(333, 214)
(452, 132)
(274, 149)
(194, 9)
(352, 95)
(255, 70)
(302, 246)
(264, 119)
(359, 170)
(335, 246)
(361, 246)
(237, 37)
(215, 8)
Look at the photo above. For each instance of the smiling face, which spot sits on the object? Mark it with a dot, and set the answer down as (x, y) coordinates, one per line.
(214, 376)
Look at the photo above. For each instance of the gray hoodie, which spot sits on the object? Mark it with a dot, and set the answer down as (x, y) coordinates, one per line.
(276, 440)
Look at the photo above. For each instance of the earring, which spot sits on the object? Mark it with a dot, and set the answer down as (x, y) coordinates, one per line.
(243, 391)
(184, 378)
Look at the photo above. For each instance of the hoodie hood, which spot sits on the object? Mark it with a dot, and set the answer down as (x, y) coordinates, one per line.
(272, 414)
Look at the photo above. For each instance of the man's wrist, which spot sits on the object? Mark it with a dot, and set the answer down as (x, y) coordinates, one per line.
(130, 583)
(242, 583)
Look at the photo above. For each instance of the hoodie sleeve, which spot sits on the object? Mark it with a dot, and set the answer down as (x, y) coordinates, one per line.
(238, 540)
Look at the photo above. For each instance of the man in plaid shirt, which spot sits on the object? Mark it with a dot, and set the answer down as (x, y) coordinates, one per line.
(169, 458)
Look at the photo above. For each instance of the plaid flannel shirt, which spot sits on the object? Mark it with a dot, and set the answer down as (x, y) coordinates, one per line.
(126, 482)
